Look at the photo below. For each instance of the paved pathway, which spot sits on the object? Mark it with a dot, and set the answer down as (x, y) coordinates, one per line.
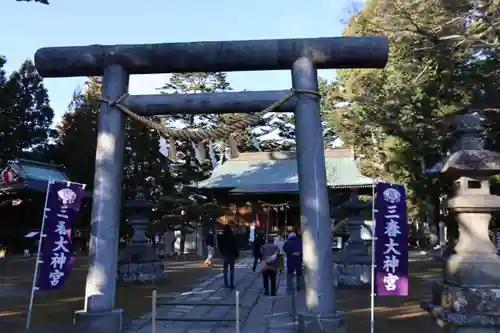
(258, 313)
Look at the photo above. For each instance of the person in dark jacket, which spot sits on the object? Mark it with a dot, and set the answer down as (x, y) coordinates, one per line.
(228, 249)
(293, 251)
(257, 255)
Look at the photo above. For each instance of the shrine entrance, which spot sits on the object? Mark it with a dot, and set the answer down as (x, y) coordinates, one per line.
(302, 56)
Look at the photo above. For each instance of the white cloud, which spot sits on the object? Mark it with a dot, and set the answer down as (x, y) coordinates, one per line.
(147, 84)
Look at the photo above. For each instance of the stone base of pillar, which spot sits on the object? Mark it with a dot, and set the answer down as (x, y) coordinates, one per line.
(460, 309)
(142, 272)
(106, 321)
(450, 321)
(326, 323)
(353, 273)
(140, 264)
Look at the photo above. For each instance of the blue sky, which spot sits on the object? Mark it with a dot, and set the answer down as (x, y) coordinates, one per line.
(28, 26)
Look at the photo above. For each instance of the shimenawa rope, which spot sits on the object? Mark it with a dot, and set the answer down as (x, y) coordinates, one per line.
(202, 134)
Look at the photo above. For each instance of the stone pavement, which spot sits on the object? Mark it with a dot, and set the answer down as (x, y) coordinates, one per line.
(258, 313)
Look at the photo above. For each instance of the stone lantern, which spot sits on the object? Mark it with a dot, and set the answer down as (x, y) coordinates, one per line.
(139, 261)
(467, 299)
(353, 266)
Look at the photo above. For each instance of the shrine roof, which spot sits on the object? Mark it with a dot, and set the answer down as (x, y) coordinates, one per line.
(264, 172)
(30, 175)
(27, 169)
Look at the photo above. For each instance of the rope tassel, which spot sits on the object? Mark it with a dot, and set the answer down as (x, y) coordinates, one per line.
(172, 150)
(211, 154)
(199, 151)
(233, 146)
(255, 143)
(163, 149)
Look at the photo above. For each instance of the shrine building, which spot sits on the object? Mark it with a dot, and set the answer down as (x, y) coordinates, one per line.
(261, 188)
(23, 185)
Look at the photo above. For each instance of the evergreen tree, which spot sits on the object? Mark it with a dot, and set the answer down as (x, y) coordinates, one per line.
(142, 160)
(25, 113)
(193, 83)
(75, 148)
(398, 118)
(276, 131)
(196, 82)
(77, 141)
(187, 210)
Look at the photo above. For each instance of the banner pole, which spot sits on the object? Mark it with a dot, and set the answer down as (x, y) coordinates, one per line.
(237, 311)
(37, 261)
(374, 239)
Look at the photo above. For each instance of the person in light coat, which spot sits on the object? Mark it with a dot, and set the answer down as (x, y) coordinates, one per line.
(269, 266)
(278, 240)
(210, 241)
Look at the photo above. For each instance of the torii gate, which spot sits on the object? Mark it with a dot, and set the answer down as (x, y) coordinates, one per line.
(303, 56)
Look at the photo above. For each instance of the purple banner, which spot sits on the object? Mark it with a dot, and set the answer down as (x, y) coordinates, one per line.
(496, 239)
(391, 242)
(56, 256)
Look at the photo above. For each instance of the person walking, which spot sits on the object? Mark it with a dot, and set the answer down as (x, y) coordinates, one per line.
(228, 249)
(257, 255)
(278, 240)
(210, 241)
(293, 251)
(269, 266)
